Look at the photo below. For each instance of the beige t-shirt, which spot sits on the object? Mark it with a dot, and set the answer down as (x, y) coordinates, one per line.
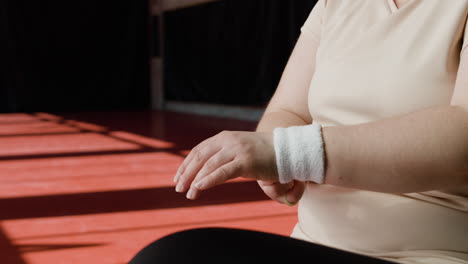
(375, 61)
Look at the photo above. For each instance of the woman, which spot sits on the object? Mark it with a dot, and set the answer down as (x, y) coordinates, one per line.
(368, 129)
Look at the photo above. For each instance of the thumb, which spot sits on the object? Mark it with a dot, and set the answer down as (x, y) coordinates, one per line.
(295, 193)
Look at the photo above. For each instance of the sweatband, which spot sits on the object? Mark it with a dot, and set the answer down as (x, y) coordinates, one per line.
(299, 153)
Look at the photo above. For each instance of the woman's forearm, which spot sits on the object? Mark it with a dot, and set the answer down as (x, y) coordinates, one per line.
(421, 151)
(280, 118)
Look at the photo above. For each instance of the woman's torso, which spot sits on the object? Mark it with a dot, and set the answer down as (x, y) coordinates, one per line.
(377, 61)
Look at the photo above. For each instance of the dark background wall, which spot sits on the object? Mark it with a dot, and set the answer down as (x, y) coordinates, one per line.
(80, 55)
(233, 51)
(93, 55)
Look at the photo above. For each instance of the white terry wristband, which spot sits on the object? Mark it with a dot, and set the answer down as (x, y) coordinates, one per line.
(299, 153)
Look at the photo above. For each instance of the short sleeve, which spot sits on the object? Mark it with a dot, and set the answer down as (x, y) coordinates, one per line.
(313, 24)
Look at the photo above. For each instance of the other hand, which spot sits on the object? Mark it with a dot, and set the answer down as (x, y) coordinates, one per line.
(291, 191)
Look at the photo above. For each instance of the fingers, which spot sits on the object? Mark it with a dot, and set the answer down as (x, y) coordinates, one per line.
(289, 193)
(217, 177)
(194, 152)
(208, 158)
(216, 162)
(222, 174)
(276, 190)
(192, 165)
(295, 193)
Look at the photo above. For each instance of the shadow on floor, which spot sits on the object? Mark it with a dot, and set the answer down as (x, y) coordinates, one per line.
(124, 200)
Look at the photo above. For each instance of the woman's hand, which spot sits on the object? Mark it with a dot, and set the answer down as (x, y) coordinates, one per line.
(291, 191)
(228, 155)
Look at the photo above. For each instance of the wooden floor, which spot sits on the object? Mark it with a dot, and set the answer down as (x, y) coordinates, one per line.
(97, 187)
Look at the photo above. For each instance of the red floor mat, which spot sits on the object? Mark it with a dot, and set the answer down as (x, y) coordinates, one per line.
(97, 187)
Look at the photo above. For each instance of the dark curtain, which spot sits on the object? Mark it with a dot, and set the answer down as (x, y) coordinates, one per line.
(231, 52)
(81, 55)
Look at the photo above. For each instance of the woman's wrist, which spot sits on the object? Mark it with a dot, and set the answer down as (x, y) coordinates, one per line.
(300, 153)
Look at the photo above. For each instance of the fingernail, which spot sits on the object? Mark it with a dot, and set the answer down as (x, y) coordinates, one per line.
(175, 177)
(287, 202)
(179, 187)
(190, 194)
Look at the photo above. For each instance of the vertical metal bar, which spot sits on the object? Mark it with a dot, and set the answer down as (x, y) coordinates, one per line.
(157, 63)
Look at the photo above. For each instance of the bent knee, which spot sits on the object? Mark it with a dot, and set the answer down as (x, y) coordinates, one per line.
(191, 242)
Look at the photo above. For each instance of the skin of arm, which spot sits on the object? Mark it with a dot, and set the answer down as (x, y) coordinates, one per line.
(289, 107)
(420, 151)
(289, 104)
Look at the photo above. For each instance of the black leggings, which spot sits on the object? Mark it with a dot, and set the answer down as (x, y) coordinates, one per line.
(224, 245)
